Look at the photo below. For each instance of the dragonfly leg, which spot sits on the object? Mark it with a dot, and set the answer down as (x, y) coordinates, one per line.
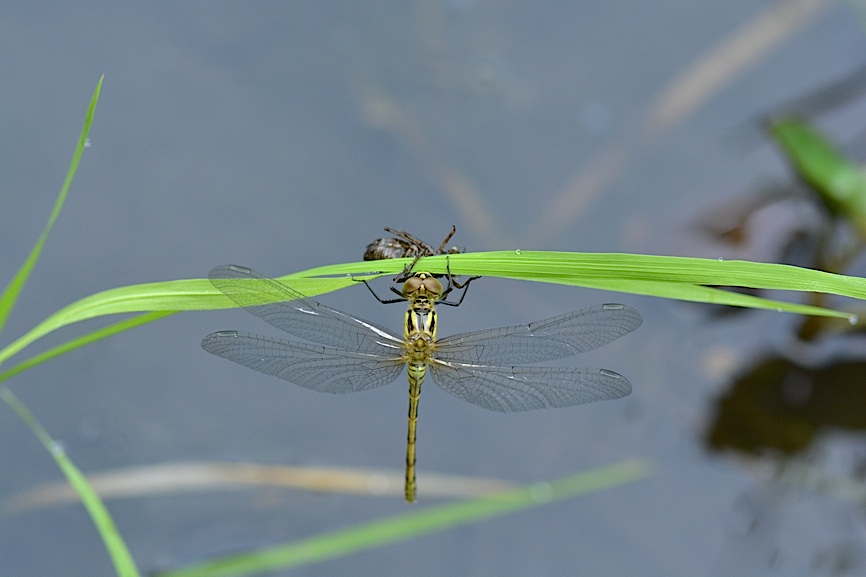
(385, 301)
(452, 284)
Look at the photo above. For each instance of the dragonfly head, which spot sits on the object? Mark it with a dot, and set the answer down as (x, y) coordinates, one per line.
(422, 286)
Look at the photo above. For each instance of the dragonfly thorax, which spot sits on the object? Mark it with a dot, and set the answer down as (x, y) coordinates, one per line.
(422, 290)
(420, 327)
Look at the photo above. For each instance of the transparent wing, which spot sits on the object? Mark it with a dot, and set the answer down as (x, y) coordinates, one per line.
(318, 368)
(511, 389)
(292, 312)
(554, 338)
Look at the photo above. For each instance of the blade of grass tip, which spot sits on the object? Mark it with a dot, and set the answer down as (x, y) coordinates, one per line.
(83, 340)
(13, 289)
(413, 525)
(114, 544)
(709, 295)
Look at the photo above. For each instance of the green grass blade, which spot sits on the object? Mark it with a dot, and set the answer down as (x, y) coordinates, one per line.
(13, 289)
(416, 524)
(83, 340)
(114, 544)
(575, 267)
(663, 276)
(684, 278)
(166, 297)
(710, 295)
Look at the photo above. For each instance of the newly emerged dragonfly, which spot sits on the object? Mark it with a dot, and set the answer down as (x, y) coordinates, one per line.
(477, 367)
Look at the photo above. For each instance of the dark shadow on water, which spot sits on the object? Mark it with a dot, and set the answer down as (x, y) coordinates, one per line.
(781, 406)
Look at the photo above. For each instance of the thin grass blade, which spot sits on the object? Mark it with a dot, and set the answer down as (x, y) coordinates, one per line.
(13, 289)
(667, 277)
(114, 544)
(83, 340)
(417, 524)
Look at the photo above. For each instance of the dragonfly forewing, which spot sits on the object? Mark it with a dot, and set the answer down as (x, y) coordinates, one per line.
(545, 340)
(314, 367)
(513, 389)
(292, 312)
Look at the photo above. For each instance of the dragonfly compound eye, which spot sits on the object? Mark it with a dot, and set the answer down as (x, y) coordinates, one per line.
(412, 285)
(433, 286)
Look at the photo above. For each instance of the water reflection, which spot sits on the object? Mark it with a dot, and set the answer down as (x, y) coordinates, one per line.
(782, 406)
(784, 401)
(795, 418)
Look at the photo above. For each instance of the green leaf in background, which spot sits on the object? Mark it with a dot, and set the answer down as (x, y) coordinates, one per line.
(840, 182)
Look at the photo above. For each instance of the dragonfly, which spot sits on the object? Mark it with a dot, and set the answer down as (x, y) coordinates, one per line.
(347, 354)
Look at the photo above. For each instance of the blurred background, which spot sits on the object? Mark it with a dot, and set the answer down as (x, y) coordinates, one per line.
(284, 136)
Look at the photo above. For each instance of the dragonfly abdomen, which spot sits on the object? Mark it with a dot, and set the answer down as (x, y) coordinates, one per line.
(416, 372)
